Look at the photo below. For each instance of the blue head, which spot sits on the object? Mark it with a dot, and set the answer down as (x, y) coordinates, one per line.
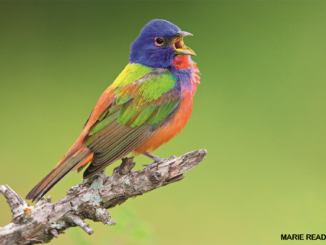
(158, 43)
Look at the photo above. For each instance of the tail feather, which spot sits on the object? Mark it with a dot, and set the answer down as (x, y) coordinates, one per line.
(57, 174)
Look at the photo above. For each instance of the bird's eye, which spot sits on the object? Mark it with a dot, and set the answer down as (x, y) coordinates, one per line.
(159, 41)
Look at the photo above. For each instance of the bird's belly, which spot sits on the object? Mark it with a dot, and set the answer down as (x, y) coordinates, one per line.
(170, 129)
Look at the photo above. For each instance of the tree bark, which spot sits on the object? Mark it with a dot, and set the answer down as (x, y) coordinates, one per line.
(46, 220)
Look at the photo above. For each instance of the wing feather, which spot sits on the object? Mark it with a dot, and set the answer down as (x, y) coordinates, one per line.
(138, 110)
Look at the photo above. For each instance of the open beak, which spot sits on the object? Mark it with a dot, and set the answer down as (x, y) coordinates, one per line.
(179, 47)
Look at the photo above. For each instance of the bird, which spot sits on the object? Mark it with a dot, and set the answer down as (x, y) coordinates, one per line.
(146, 106)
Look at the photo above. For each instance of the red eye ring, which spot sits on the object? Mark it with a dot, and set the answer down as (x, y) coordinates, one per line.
(159, 41)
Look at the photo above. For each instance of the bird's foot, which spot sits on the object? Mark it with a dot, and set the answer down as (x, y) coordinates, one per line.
(157, 160)
(163, 160)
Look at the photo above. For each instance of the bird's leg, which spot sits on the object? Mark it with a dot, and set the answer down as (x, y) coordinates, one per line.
(157, 160)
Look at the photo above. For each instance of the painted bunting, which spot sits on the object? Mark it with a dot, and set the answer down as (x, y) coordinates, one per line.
(147, 105)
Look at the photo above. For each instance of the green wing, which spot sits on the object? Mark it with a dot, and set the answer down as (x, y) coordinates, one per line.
(139, 109)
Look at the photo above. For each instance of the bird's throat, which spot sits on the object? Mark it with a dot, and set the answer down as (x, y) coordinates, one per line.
(181, 62)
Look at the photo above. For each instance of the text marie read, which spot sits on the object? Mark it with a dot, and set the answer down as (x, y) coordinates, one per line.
(303, 236)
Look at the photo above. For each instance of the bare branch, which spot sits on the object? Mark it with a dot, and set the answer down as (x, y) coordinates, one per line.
(78, 221)
(46, 220)
(54, 232)
(13, 199)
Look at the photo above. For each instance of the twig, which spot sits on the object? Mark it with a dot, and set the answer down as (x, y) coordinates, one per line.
(46, 220)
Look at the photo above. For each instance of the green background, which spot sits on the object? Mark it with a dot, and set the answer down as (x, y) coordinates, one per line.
(259, 111)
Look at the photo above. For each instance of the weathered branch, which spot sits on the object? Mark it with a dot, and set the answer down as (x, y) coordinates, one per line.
(45, 220)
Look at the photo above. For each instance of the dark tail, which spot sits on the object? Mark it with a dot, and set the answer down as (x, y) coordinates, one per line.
(56, 175)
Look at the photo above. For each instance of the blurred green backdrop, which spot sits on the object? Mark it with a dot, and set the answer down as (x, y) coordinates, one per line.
(259, 111)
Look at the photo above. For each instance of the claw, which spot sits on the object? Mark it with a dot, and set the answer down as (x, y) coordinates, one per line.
(152, 165)
(157, 160)
(172, 157)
